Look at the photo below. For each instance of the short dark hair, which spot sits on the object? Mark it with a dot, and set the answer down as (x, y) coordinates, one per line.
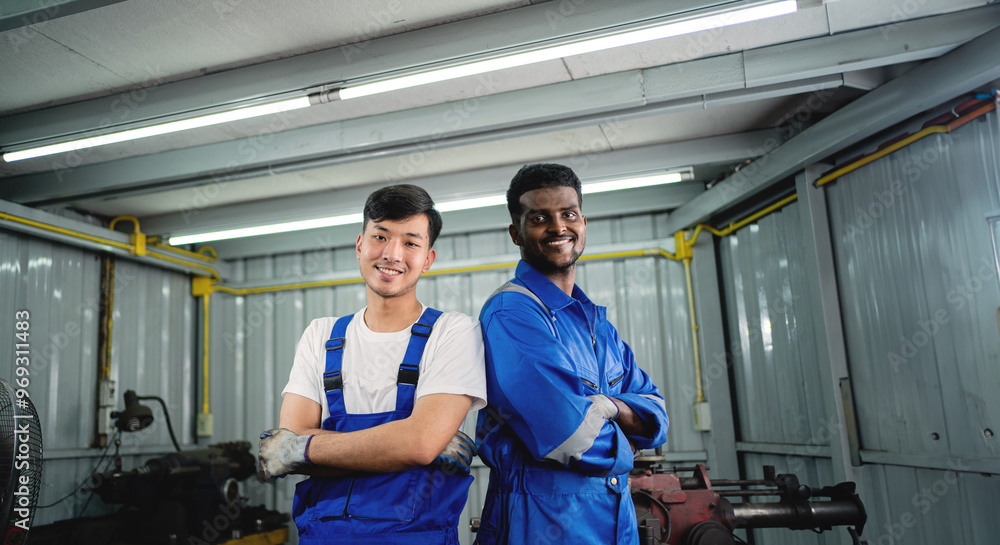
(537, 176)
(402, 201)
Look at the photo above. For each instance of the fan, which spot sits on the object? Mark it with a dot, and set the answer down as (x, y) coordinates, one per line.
(20, 463)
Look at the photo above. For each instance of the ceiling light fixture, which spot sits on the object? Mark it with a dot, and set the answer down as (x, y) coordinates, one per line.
(158, 129)
(753, 11)
(667, 30)
(450, 206)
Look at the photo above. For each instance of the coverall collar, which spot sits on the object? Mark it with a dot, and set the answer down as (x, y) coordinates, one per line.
(544, 289)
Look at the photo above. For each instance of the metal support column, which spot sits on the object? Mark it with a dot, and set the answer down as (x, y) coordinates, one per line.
(830, 342)
(720, 443)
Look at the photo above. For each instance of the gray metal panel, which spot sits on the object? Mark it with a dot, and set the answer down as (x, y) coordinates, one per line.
(928, 506)
(772, 346)
(919, 293)
(151, 353)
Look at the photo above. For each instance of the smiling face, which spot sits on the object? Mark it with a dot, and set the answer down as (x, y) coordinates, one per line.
(393, 254)
(552, 231)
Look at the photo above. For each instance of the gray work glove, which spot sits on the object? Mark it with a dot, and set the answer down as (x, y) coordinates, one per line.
(457, 456)
(605, 405)
(281, 452)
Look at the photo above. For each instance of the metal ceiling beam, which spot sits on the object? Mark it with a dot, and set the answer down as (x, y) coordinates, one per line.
(967, 68)
(99, 239)
(677, 87)
(22, 13)
(727, 149)
(476, 36)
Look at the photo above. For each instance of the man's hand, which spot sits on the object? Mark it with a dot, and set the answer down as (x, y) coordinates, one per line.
(456, 458)
(606, 405)
(281, 452)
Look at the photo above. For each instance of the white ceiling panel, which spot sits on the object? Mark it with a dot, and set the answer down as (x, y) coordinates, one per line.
(38, 70)
(148, 42)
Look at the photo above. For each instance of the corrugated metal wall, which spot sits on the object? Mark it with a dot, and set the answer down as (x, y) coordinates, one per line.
(151, 353)
(254, 337)
(917, 275)
(919, 295)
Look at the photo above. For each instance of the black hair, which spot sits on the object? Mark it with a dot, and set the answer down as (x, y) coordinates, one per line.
(402, 201)
(537, 176)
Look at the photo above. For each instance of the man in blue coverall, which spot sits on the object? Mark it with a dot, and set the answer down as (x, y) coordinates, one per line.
(568, 406)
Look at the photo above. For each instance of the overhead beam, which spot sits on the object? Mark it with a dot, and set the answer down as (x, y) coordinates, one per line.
(968, 67)
(22, 13)
(726, 149)
(476, 36)
(677, 87)
(22, 219)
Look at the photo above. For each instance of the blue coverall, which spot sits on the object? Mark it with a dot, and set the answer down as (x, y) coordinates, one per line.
(559, 470)
(419, 506)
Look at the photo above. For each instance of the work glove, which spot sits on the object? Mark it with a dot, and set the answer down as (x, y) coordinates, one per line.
(605, 405)
(281, 452)
(457, 456)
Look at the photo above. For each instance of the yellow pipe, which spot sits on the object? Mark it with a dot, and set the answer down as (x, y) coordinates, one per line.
(131, 248)
(204, 404)
(896, 146)
(155, 242)
(208, 270)
(67, 232)
(111, 313)
(694, 331)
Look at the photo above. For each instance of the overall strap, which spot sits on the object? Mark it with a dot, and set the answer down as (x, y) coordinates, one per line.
(409, 370)
(333, 380)
(510, 286)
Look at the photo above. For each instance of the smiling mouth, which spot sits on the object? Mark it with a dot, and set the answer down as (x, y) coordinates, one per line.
(557, 242)
(388, 272)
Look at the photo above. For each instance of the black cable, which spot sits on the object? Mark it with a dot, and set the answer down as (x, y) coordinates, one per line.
(87, 478)
(167, 416)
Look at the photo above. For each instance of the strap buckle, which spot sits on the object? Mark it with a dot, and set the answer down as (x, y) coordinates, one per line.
(333, 381)
(336, 343)
(423, 331)
(408, 374)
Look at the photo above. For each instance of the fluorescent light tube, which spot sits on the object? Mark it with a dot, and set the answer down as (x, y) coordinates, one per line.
(161, 128)
(267, 229)
(667, 30)
(632, 183)
(451, 206)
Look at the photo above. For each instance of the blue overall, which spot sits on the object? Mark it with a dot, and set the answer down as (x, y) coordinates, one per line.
(417, 506)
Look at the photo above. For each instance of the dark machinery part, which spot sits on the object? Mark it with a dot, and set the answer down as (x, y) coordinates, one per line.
(190, 496)
(694, 510)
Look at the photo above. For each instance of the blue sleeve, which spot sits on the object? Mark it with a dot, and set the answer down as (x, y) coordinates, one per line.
(642, 396)
(534, 387)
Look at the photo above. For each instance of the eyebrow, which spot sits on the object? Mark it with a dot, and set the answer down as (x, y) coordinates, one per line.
(378, 227)
(563, 209)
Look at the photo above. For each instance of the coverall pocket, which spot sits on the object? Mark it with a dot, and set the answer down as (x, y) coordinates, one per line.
(390, 496)
(322, 498)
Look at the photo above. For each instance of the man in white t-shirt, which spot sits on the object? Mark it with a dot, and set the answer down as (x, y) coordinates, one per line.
(375, 400)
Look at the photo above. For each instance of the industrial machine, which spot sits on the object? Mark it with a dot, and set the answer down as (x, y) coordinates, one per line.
(188, 497)
(695, 510)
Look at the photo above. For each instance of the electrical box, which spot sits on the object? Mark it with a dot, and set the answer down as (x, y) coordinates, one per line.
(702, 416)
(107, 399)
(205, 424)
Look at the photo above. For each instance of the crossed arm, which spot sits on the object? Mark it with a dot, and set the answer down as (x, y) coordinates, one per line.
(395, 446)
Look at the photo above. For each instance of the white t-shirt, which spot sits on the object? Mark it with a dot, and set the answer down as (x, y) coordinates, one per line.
(452, 363)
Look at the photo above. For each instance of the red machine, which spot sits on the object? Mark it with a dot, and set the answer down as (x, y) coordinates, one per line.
(693, 510)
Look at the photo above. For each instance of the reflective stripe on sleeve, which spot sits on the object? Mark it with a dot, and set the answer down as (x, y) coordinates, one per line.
(581, 440)
(659, 401)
